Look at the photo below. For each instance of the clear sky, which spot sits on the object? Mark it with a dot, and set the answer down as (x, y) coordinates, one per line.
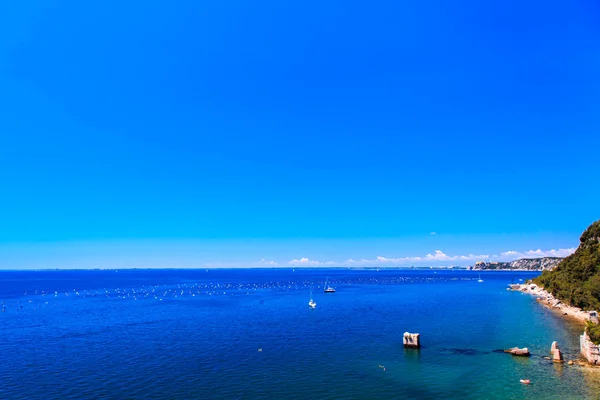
(192, 133)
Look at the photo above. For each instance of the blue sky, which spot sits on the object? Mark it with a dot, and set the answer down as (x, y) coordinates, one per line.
(192, 133)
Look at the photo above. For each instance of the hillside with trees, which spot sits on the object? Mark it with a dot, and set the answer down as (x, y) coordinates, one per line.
(576, 279)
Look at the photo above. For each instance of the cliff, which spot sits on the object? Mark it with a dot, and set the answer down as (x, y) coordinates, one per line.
(531, 264)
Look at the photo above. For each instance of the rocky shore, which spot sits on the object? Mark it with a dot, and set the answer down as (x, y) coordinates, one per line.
(548, 300)
(577, 278)
(589, 350)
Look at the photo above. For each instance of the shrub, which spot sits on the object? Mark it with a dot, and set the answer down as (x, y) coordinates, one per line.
(593, 331)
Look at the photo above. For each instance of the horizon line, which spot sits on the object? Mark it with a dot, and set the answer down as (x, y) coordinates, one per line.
(466, 268)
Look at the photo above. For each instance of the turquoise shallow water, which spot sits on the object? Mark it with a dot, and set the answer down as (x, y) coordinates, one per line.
(195, 334)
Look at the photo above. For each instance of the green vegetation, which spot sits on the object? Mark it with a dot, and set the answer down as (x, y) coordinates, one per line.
(576, 280)
(593, 331)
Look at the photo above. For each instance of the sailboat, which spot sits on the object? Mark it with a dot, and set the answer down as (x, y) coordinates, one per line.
(328, 289)
(480, 280)
(312, 303)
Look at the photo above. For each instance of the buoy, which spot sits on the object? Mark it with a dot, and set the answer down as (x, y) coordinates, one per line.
(525, 381)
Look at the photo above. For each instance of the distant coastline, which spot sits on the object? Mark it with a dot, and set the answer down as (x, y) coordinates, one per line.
(524, 264)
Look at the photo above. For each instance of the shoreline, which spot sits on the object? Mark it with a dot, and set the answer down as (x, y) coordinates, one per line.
(570, 313)
(547, 300)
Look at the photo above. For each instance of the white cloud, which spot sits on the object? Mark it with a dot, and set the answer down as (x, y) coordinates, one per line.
(359, 262)
(441, 256)
(265, 262)
(437, 258)
(433, 233)
(304, 261)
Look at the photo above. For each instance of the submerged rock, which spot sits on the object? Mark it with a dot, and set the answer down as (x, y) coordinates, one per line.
(465, 352)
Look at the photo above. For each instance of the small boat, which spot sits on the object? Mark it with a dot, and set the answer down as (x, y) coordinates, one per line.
(525, 381)
(312, 303)
(328, 289)
(480, 280)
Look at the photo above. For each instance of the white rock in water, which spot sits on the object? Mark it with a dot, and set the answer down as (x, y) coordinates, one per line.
(411, 339)
(557, 357)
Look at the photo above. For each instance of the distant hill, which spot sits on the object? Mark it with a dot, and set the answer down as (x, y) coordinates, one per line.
(531, 264)
(576, 279)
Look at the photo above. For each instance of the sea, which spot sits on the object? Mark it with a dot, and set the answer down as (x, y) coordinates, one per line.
(250, 334)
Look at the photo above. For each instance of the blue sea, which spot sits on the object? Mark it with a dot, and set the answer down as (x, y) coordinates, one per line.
(249, 334)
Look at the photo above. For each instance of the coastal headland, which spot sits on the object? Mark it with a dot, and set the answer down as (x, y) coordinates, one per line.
(572, 289)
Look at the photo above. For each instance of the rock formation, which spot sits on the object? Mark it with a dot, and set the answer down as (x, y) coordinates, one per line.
(589, 350)
(515, 351)
(411, 340)
(557, 356)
